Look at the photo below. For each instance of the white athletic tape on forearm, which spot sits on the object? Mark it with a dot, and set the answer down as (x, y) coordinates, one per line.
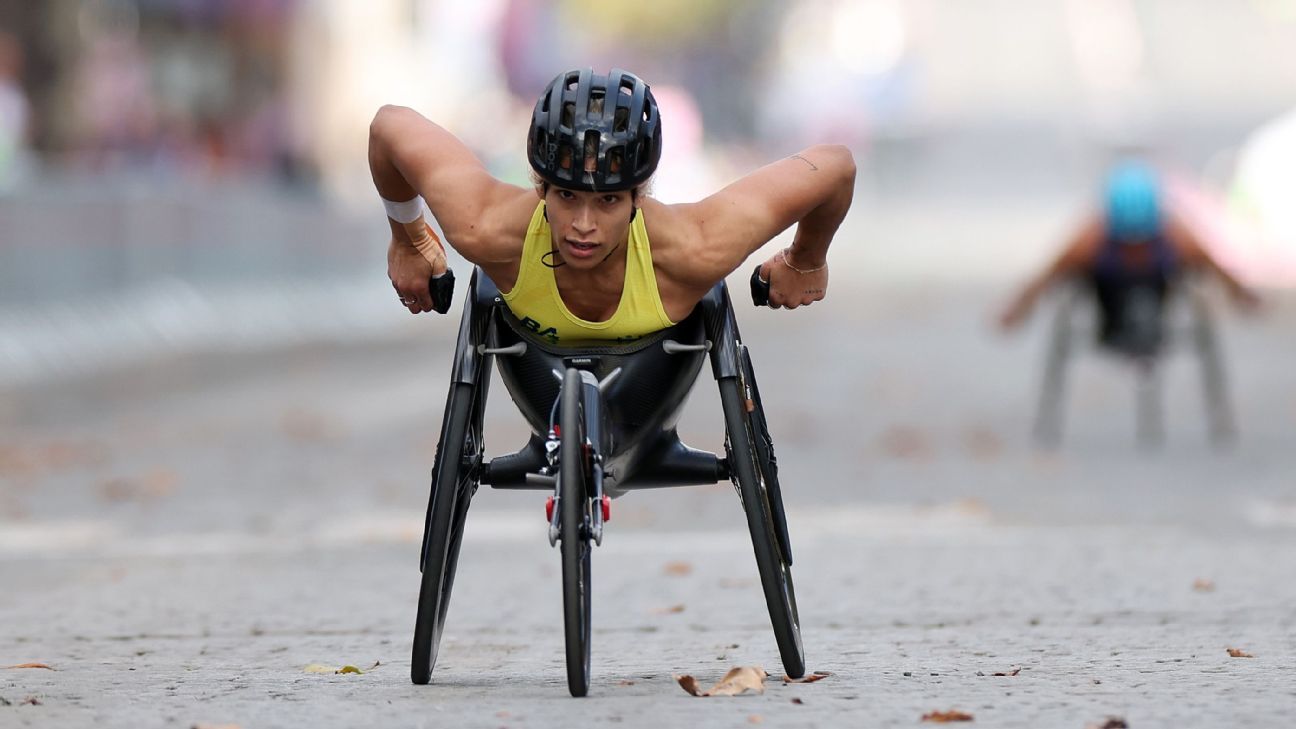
(404, 212)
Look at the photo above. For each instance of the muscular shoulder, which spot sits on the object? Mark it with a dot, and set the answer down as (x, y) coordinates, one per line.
(678, 241)
(496, 232)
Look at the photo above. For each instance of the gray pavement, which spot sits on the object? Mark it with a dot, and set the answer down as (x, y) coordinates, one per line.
(180, 538)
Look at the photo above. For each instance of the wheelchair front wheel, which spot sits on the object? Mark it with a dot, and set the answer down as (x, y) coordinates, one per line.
(452, 489)
(575, 505)
(758, 501)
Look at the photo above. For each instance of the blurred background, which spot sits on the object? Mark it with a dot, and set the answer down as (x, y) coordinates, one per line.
(216, 421)
(185, 205)
(191, 173)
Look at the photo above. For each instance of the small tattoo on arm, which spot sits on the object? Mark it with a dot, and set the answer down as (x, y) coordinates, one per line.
(813, 167)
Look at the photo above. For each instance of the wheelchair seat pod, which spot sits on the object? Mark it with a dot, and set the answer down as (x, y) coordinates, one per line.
(644, 399)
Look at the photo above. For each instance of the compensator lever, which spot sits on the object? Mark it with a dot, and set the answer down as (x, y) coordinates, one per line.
(516, 350)
(673, 347)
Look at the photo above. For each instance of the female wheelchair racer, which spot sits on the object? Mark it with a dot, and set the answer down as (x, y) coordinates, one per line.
(633, 290)
(603, 421)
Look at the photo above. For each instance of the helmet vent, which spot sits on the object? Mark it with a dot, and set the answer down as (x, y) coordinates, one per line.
(595, 132)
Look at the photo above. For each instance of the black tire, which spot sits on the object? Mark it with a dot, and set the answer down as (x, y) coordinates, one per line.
(765, 458)
(574, 503)
(774, 567)
(452, 490)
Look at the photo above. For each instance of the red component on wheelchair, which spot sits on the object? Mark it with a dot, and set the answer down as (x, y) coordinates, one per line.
(557, 430)
(549, 502)
(607, 507)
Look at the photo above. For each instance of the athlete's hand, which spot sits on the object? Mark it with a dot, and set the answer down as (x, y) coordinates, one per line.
(409, 272)
(414, 256)
(790, 288)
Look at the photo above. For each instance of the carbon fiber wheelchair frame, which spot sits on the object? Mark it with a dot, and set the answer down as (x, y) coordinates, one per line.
(603, 420)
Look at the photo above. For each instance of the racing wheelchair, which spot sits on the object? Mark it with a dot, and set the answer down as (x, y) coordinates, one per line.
(603, 422)
(1141, 323)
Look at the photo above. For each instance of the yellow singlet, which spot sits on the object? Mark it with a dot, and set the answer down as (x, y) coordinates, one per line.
(535, 300)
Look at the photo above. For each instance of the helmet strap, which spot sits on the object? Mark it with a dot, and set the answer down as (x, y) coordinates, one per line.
(547, 264)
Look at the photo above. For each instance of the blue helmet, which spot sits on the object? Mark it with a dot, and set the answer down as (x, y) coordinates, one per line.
(1133, 202)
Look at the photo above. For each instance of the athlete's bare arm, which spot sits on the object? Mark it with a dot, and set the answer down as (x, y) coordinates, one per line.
(711, 238)
(484, 219)
(1076, 257)
(1193, 252)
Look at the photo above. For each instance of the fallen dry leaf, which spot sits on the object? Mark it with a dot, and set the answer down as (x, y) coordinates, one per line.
(983, 443)
(307, 427)
(1010, 672)
(755, 719)
(1239, 653)
(677, 569)
(1202, 584)
(668, 610)
(906, 442)
(157, 483)
(117, 489)
(625, 682)
(941, 717)
(30, 665)
(738, 680)
(30, 700)
(321, 668)
(797, 701)
(31, 458)
(1113, 722)
(816, 676)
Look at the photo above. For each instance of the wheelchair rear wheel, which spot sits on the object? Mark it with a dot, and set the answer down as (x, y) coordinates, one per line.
(752, 468)
(453, 484)
(574, 501)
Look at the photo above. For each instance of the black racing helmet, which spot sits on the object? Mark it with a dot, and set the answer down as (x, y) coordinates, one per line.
(611, 118)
